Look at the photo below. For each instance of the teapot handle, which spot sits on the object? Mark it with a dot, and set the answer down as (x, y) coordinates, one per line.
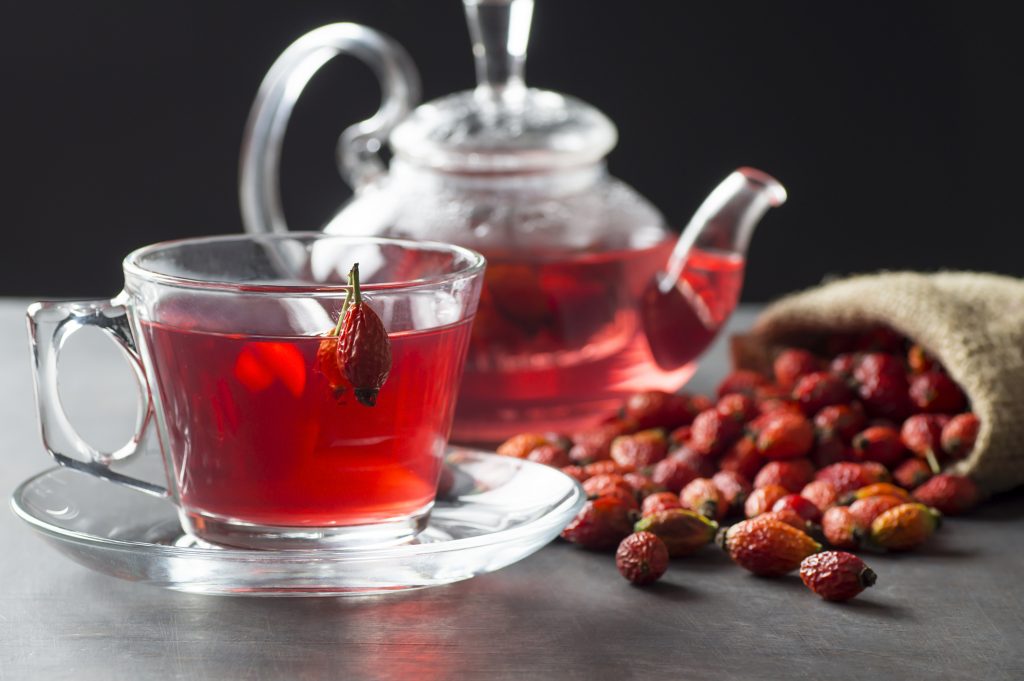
(259, 189)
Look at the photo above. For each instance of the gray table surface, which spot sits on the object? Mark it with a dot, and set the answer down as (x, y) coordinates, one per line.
(951, 611)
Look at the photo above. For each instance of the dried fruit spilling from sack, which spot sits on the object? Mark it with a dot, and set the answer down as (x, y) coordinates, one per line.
(845, 446)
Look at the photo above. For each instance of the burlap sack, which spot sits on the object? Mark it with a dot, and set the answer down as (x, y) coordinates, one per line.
(972, 323)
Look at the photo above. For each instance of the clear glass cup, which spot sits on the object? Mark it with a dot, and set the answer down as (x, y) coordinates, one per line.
(263, 447)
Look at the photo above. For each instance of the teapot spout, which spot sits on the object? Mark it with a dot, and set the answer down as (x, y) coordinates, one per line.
(726, 220)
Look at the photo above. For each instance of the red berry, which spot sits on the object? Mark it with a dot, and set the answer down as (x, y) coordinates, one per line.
(767, 547)
(791, 475)
(836, 575)
(879, 444)
(672, 473)
(805, 508)
(657, 409)
(520, 446)
(684, 532)
(841, 420)
(642, 558)
(639, 450)
(882, 385)
(742, 381)
(737, 407)
(733, 486)
(702, 496)
(922, 433)
(703, 465)
(364, 349)
(762, 499)
(742, 458)
(911, 473)
(848, 476)
(865, 511)
(785, 435)
(601, 524)
(792, 364)
(606, 467)
(936, 393)
(713, 432)
(550, 455)
(610, 485)
(841, 528)
(680, 435)
(821, 493)
(959, 435)
(818, 390)
(830, 449)
(659, 501)
(951, 494)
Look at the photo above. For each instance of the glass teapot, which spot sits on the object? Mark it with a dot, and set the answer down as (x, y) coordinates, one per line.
(588, 295)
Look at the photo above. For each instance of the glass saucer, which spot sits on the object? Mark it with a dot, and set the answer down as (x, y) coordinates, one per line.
(497, 511)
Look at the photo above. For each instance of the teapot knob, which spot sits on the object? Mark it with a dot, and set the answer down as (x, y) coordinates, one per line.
(359, 145)
(500, 31)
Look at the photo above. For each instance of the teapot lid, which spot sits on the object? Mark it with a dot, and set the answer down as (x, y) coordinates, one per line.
(503, 126)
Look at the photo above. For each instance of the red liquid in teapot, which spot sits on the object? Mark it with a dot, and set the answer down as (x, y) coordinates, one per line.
(557, 345)
(257, 434)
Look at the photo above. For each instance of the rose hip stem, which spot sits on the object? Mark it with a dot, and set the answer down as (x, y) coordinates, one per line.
(364, 349)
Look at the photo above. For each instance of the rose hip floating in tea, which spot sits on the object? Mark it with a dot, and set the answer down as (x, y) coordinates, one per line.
(588, 297)
(363, 353)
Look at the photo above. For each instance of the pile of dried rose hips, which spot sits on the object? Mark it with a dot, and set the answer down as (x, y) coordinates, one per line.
(846, 449)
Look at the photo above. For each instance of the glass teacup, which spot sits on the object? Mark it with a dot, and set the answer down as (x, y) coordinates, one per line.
(262, 446)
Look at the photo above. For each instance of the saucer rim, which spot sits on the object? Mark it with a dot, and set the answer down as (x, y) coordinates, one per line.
(559, 514)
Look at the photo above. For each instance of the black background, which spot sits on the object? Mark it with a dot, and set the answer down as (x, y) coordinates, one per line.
(894, 125)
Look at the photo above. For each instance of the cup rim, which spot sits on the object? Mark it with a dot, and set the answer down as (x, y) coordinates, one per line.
(475, 263)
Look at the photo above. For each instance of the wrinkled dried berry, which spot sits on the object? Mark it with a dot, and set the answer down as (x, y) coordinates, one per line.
(842, 420)
(820, 389)
(911, 473)
(793, 364)
(802, 506)
(742, 381)
(785, 435)
(742, 458)
(959, 435)
(658, 502)
(821, 493)
(836, 575)
(610, 485)
(594, 444)
(520, 446)
(936, 393)
(849, 476)
(790, 475)
(762, 499)
(767, 547)
(601, 524)
(865, 510)
(702, 496)
(550, 455)
(642, 558)
(879, 444)
(951, 494)
(712, 432)
(841, 528)
(684, 532)
(673, 474)
(657, 409)
(734, 488)
(904, 527)
(639, 450)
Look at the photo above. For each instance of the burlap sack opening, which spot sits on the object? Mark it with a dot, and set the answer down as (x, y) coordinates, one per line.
(973, 323)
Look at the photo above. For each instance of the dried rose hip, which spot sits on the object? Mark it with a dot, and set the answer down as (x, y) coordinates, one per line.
(836, 575)
(713, 432)
(841, 528)
(642, 558)
(702, 496)
(912, 473)
(594, 444)
(788, 516)
(762, 499)
(849, 476)
(660, 501)
(920, 361)
(791, 475)
(879, 444)
(821, 493)
(766, 546)
(575, 472)
(550, 455)
(642, 485)
(601, 524)
(922, 434)
(936, 393)
(684, 532)
(818, 390)
(803, 507)
(951, 494)
(519, 446)
(841, 420)
(657, 409)
(785, 435)
(792, 364)
(830, 449)
(737, 407)
(742, 458)
(639, 450)
(864, 511)
(959, 435)
(844, 364)
(876, 489)
(606, 467)
(904, 527)
(610, 485)
(703, 465)
(673, 474)
(882, 385)
(364, 349)
(880, 339)
(733, 486)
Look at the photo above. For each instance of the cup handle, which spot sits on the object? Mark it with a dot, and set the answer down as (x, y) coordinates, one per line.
(50, 325)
